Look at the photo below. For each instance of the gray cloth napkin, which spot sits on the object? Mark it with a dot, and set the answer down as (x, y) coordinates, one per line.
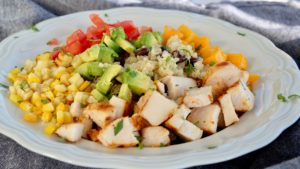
(280, 22)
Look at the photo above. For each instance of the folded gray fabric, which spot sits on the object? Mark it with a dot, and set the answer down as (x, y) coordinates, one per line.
(280, 22)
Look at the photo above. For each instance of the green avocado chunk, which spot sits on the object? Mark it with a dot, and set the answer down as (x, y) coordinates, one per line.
(117, 32)
(125, 92)
(110, 43)
(106, 54)
(127, 46)
(97, 95)
(147, 39)
(90, 69)
(137, 81)
(91, 54)
(104, 84)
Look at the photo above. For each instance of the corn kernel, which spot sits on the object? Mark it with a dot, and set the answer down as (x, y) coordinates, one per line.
(37, 110)
(70, 69)
(54, 83)
(60, 107)
(46, 116)
(76, 61)
(68, 117)
(50, 129)
(45, 56)
(81, 97)
(48, 108)
(26, 106)
(30, 117)
(15, 98)
(12, 90)
(60, 115)
(72, 88)
(36, 99)
(76, 79)
(65, 79)
(12, 75)
(59, 74)
(49, 95)
(60, 88)
(84, 85)
(32, 78)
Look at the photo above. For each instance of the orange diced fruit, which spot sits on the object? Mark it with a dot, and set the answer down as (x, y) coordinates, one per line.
(185, 30)
(253, 78)
(214, 56)
(168, 32)
(201, 42)
(238, 60)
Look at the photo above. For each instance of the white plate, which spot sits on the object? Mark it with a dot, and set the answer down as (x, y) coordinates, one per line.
(255, 129)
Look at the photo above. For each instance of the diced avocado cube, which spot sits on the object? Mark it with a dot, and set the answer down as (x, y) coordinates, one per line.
(90, 69)
(106, 54)
(125, 92)
(94, 69)
(127, 46)
(110, 43)
(117, 32)
(104, 84)
(91, 54)
(119, 78)
(158, 37)
(137, 81)
(97, 95)
(147, 39)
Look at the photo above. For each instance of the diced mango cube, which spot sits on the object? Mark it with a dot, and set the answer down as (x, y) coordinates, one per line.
(216, 56)
(253, 78)
(238, 60)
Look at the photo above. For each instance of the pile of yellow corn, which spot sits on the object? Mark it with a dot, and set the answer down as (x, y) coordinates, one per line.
(44, 89)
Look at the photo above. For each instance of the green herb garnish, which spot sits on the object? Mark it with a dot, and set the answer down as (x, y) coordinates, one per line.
(168, 59)
(241, 34)
(293, 96)
(118, 127)
(34, 28)
(106, 15)
(141, 145)
(56, 48)
(162, 145)
(45, 101)
(23, 85)
(186, 51)
(189, 69)
(281, 98)
(3, 85)
(212, 63)
(20, 101)
(139, 138)
(212, 147)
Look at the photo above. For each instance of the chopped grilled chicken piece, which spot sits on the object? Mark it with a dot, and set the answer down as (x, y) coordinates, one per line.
(245, 75)
(142, 101)
(228, 111)
(157, 109)
(101, 113)
(120, 106)
(198, 97)
(206, 118)
(139, 122)
(183, 128)
(221, 122)
(126, 136)
(177, 85)
(221, 77)
(75, 109)
(93, 135)
(155, 136)
(71, 132)
(183, 111)
(160, 87)
(189, 132)
(87, 123)
(242, 98)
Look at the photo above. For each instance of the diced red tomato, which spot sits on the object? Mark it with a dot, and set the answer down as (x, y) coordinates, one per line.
(73, 48)
(78, 35)
(97, 20)
(130, 29)
(93, 33)
(55, 54)
(53, 41)
(145, 29)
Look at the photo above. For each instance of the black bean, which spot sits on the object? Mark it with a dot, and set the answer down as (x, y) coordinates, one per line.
(181, 57)
(123, 56)
(142, 51)
(194, 60)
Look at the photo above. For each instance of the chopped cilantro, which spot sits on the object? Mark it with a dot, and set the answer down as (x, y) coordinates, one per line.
(241, 34)
(139, 138)
(212, 147)
(189, 69)
(45, 101)
(168, 59)
(106, 15)
(118, 127)
(132, 73)
(212, 63)
(23, 85)
(3, 85)
(162, 145)
(281, 98)
(22, 68)
(294, 96)
(20, 101)
(34, 28)
(56, 48)
(141, 145)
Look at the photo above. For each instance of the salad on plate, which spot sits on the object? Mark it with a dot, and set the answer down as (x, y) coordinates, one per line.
(123, 86)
